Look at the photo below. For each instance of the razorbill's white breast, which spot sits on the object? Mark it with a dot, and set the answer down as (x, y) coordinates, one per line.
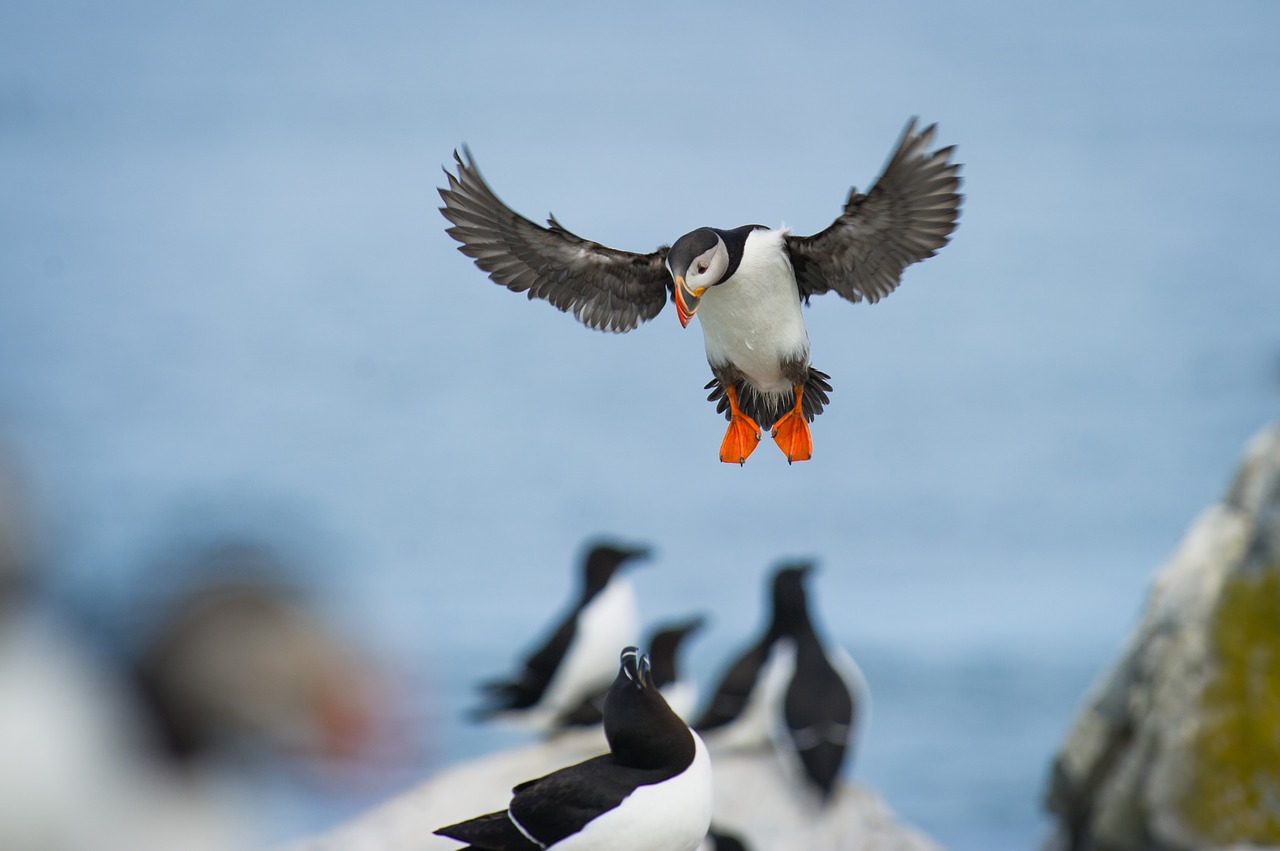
(577, 660)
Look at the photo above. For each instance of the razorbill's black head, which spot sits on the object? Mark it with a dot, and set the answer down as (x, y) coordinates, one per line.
(651, 792)
(602, 562)
(664, 647)
(790, 613)
(745, 284)
(575, 661)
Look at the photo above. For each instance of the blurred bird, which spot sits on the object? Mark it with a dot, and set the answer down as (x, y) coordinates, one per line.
(651, 792)
(157, 750)
(576, 661)
(791, 690)
(746, 284)
(244, 660)
(680, 694)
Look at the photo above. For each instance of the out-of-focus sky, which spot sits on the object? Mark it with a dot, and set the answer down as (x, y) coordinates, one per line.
(227, 303)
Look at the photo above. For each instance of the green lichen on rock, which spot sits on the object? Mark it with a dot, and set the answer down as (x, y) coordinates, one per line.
(1234, 792)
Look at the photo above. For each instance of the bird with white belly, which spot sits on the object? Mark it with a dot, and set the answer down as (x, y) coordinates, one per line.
(651, 792)
(746, 284)
(576, 661)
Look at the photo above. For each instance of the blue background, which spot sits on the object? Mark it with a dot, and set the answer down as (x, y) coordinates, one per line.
(228, 307)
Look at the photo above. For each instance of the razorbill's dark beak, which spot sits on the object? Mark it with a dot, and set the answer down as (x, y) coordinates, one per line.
(635, 666)
(686, 300)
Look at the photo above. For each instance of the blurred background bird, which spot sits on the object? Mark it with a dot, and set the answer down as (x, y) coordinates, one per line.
(577, 659)
(790, 692)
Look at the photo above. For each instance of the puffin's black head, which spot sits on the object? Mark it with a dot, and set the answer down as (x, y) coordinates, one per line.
(790, 604)
(642, 730)
(603, 561)
(697, 260)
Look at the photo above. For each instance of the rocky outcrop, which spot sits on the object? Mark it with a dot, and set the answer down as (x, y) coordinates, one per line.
(1178, 746)
(754, 799)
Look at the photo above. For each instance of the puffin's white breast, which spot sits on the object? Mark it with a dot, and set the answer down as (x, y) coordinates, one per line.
(753, 319)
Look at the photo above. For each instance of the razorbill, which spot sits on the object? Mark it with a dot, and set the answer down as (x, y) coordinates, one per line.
(651, 792)
(576, 661)
(746, 284)
(790, 690)
(679, 693)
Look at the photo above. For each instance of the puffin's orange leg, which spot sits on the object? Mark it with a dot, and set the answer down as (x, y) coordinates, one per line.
(791, 431)
(743, 435)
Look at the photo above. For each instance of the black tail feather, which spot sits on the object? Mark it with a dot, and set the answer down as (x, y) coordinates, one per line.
(766, 410)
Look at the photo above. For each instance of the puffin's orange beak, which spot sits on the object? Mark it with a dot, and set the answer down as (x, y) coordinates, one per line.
(686, 301)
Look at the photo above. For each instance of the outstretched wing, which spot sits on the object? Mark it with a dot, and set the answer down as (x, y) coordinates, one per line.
(603, 287)
(907, 216)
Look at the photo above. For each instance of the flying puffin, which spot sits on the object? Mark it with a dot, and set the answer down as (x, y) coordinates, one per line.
(651, 792)
(792, 690)
(745, 284)
(576, 661)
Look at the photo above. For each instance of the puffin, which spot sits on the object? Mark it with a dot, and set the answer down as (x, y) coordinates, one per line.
(745, 284)
(792, 690)
(651, 792)
(576, 660)
(664, 646)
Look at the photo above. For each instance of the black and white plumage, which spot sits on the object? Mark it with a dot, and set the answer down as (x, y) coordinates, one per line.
(576, 660)
(664, 647)
(651, 792)
(746, 284)
(791, 690)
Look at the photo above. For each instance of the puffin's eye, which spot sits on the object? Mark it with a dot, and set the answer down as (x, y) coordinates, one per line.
(702, 268)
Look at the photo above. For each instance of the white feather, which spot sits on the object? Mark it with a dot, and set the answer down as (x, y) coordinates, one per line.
(755, 726)
(753, 319)
(673, 815)
(607, 624)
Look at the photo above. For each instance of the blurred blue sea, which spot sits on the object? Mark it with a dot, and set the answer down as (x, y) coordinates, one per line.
(228, 306)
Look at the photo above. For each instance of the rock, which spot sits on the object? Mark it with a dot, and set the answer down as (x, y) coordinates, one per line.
(754, 798)
(1178, 746)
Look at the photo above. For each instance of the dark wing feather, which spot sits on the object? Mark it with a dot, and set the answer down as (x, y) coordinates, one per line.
(603, 287)
(491, 832)
(731, 695)
(535, 675)
(907, 216)
(563, 802)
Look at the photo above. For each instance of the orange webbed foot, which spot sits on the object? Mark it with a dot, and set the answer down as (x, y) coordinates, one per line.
(791, 432)
(743, 435)
(741, 439)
